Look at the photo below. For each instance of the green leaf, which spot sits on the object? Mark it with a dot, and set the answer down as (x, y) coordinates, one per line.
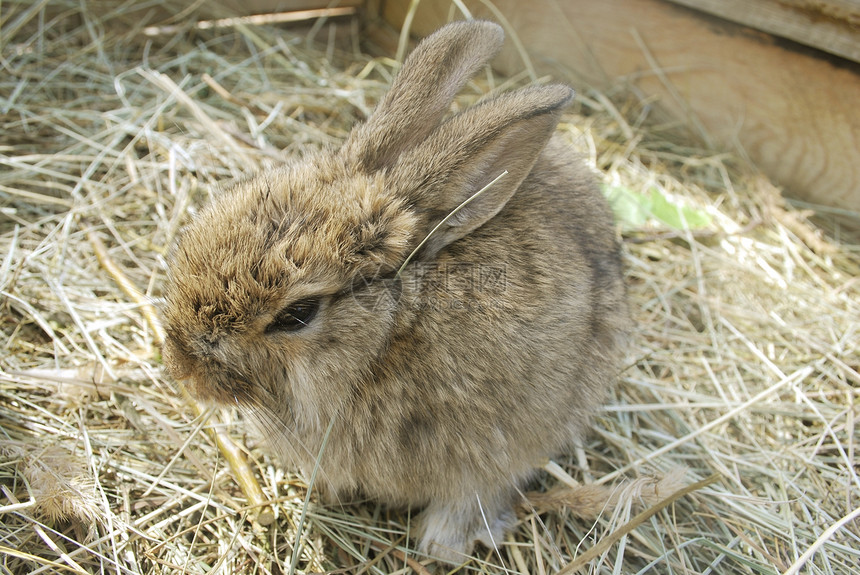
(676, 216)
(631, 209)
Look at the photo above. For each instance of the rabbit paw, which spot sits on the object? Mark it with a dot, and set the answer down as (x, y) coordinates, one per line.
(448, 530)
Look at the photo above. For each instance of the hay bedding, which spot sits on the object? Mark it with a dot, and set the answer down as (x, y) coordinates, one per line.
(745, 362)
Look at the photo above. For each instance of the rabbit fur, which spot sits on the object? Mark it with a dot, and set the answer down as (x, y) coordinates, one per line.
(442, 387)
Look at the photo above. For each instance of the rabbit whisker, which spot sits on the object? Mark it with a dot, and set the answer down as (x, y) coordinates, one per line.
(280, 437)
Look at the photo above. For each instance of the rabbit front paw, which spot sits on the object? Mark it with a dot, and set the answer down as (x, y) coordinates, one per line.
(449, 530)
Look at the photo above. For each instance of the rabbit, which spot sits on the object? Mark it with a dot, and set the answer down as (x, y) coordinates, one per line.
(385, 318)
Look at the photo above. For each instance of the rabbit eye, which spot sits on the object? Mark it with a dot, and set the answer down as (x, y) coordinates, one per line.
(295, 316)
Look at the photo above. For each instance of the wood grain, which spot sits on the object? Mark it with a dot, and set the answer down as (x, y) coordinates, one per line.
(828, 25)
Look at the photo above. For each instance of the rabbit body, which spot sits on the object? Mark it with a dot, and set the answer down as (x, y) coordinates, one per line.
(445, 385)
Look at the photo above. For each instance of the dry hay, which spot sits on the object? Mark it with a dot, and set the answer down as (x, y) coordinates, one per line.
(745, 363)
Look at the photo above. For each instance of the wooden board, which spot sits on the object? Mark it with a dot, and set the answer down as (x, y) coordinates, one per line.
(828, 25)
(791, 110)
(181, 13)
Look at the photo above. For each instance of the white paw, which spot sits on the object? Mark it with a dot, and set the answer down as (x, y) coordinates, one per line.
(448, 531)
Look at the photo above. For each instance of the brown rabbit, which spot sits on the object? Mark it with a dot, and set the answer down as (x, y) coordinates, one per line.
(442, 385)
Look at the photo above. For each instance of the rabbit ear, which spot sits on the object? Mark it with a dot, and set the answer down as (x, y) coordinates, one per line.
(422, 91)
(469, 151)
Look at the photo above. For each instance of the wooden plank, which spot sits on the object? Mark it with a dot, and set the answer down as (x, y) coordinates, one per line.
(184, 12)
(165, 19)
(792, 112)
(829, 25)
